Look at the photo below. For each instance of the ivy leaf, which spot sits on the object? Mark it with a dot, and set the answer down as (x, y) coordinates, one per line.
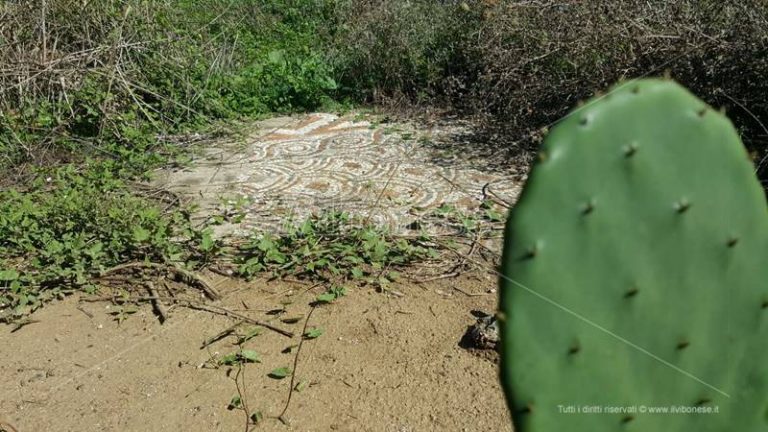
(314, 333)
(280, 373)
(266, 244)
(493, 216)
(234, 403)
(249, 335)
(250, 356)
(326, 297)
(206, 242)
(228, 359)
(339, 291)
(8, 275)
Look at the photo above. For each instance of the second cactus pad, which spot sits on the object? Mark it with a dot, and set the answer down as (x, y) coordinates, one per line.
(635, 273)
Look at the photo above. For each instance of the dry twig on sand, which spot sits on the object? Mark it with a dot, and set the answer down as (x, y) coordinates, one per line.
(218, 310)
(6, 427)
(281, 417)
(222, 334)
(188, 276)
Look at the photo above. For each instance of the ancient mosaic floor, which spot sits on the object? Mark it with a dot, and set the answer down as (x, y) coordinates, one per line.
(388, 173)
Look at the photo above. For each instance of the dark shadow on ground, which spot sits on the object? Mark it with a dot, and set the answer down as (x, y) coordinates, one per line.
(480, 145)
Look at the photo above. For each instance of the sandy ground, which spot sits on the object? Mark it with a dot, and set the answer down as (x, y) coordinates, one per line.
(384, 363)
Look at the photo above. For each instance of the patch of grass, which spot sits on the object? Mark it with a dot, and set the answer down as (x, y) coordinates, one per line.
(334, 246)
(71, 224)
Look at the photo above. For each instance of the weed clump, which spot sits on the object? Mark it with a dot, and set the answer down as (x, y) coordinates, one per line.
(334, 247)
(56, 237)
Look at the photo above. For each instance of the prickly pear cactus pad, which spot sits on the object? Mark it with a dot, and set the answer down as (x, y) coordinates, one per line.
(635, 273)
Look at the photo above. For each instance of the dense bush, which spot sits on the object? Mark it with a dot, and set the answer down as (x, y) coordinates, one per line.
(414, 49)
(525, 64)
(112, 76)
(118, 72)
(540, 60)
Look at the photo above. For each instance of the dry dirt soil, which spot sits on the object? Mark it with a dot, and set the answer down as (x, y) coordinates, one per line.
(385, 363)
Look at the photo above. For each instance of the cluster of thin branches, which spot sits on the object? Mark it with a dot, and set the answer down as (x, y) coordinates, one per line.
(563, 51)
(47, 47)
(521, 65)
(84, 70)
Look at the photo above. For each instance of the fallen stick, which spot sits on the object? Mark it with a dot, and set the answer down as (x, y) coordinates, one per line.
(7, 427)
(226, 312)
(196, 306)
(222, 334)
(157, 303)
(190, 276)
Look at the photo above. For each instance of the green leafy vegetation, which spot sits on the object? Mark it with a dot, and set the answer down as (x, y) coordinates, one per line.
(242, 356)
(100, 96)
(129, 71)
(280, 373)
(313, 333)
(131, 80)
(57, 235)
(333, 246)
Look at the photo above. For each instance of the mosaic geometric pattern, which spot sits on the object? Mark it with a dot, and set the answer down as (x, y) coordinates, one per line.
(322, 161)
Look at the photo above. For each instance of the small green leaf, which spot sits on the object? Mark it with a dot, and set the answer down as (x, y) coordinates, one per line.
(228, 359)
(8, 275)
(140, 234)
(326, 297)
(257, 416)
(280, 373)
(234, 403)
(95, 250)
(493, 215)
(357, 273)
(250, 356)
(206, 243)
(54, 247)
(250, 334)
(266, 244)
(314, 333)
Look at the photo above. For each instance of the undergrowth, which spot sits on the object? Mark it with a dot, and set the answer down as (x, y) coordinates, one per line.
(334, 247)
(109, 79)
(57, 236)
(93, 98)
